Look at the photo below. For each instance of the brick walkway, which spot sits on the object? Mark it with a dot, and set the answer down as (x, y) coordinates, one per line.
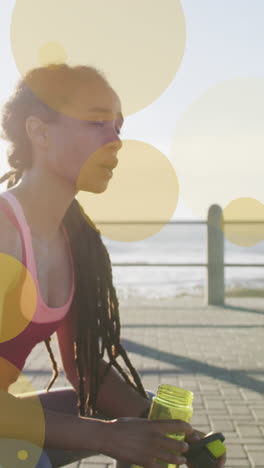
(218, 353)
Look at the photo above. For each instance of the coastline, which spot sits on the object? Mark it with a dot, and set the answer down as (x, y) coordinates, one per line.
(254, 302)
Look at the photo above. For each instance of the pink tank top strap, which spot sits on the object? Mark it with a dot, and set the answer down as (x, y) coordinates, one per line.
(28, 255)
(16, 209)
(10, 214)
(24, 231)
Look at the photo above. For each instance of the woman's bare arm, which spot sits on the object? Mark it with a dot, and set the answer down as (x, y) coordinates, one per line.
(23, 418)
(130, 439)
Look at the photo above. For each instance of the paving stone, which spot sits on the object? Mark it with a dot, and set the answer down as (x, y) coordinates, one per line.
(257, 440)
(243, 417)
(259, 413)
(237, 463)
(222, 425)
(256, 457)
(239, 409)
(215, 404)
(251, 395)
(200, 419)
(254, 447)
(236, 451)
(249, 430)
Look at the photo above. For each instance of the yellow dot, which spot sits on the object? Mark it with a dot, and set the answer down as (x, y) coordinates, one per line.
(52, 53)
(219, 145)
(247, 215)
(144, 188)
(12, 448)
(18, 297)
(22, 455)
(138, 45)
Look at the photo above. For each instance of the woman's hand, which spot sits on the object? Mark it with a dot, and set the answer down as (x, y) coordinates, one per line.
(196, 435)
(142, 441)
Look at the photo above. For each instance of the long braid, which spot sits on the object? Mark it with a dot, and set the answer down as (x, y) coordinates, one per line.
(95, 299)
(54, 364)
(100, 306)
(117, 348)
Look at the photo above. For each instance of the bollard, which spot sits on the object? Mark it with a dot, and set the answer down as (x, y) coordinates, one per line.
(215, 291)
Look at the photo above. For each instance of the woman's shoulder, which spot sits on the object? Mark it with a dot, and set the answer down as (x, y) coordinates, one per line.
(10, 241)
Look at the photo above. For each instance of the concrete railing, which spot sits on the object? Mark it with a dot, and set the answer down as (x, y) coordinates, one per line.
(215, 283)
(215, 286)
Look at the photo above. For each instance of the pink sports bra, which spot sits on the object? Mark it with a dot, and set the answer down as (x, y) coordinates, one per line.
(45, 320)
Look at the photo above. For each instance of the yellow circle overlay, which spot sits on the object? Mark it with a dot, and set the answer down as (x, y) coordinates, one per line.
(244, 220)
(218, 145)
(18, 297)
(15, 447)
(144, 189)
(22, 454)
(52, 52)
(138, 45)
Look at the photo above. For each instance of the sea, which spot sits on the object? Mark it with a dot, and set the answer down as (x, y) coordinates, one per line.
(181, 243)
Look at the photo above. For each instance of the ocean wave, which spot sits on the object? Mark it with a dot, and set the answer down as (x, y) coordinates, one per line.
(152, 293)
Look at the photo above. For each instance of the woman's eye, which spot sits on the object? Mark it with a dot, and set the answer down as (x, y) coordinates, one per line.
(101, 123)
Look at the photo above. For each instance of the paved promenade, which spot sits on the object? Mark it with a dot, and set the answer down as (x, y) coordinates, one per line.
(217, 352)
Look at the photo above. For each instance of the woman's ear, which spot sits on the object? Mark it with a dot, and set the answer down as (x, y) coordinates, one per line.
(37, 132)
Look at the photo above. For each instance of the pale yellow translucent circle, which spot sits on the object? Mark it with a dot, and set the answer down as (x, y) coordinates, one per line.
(18, 297)
(138, 44)
(51, 52)
(144, 188)
(218, 145)
(22, 454)
(244, 209)
(13, 446)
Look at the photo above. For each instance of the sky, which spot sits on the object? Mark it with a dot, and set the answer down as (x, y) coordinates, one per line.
(224, 41)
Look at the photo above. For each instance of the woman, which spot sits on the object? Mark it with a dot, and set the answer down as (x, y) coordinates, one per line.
(63, 124)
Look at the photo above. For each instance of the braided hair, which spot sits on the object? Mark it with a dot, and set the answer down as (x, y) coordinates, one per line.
(95, 299)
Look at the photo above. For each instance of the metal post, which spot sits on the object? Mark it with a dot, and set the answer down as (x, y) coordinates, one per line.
(215, 291)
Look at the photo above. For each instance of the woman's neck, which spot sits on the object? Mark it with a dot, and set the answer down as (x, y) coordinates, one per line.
(44, 205)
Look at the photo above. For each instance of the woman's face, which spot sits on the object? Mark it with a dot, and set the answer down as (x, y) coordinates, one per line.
(85, 140)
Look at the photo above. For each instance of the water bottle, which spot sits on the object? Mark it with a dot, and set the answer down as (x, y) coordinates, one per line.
(171, 403)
